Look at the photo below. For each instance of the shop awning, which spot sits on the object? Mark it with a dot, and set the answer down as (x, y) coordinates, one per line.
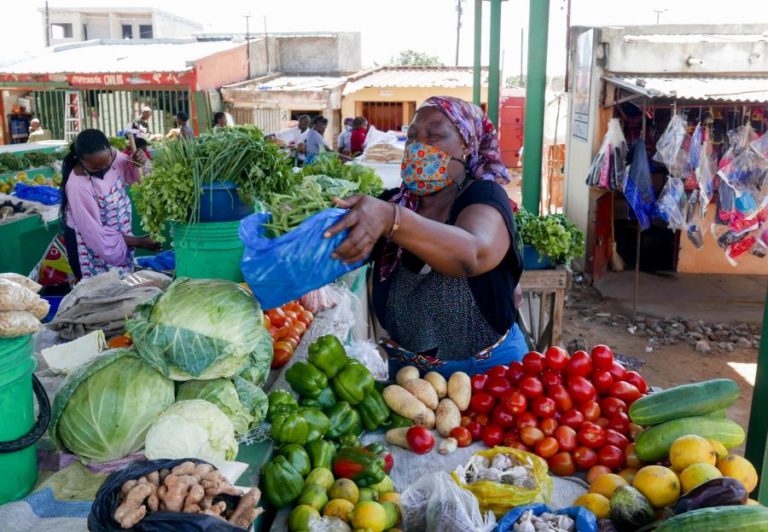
(696, 88)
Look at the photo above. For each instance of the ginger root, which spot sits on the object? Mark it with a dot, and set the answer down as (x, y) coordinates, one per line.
(132, 510)
(246, 510)
(216, 484)
(194, 497)
(176, 490)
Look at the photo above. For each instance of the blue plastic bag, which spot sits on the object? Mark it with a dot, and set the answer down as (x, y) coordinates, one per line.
(162, 262)
(585, 520)
(40, 193)
(279, 270)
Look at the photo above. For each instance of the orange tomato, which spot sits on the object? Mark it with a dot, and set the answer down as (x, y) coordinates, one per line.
(531, 436)
(276, 317)
(547, 447)
(119, 341)
(283, 353)
(298, 328)
(306, 317)
(291, 315)
(274, 332)
(284, 332)
(291, 340)
(293, 306)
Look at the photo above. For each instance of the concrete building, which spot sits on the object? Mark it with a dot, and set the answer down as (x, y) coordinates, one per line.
(628, 72)
(69, 25)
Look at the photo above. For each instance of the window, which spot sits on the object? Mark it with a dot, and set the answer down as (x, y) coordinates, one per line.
(127, 31)
(61, 31)
(145, 31)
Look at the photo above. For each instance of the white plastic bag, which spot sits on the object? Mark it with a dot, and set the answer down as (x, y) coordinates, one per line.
(435, 503)
(26, 282)
(17, 323)
(673, 202)
(669, 148)
(366, 352)
(14, 296)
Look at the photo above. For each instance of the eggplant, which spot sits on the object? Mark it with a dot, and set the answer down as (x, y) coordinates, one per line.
(723, 491)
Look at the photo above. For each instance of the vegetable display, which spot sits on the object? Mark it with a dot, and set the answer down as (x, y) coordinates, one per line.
(222, 393)
(553, 235)
(203, 329)
(104, 409)
(286, 326)
(329, 164)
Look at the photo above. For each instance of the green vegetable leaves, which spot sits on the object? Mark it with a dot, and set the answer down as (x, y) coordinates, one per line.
(329, 164)
(552, 235)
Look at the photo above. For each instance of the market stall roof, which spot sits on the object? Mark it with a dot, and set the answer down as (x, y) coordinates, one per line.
(98, 56)
(290, 83)
(443, 77)
(696, 88)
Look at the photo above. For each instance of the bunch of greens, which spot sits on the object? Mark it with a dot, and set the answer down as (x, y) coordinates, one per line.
(119, 143)
(315, 194)
(10, 163)
(329, 164)
(553, 235)
(36, 159)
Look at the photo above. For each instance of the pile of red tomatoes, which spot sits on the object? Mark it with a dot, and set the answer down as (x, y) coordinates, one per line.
(286, 326)
(570, 410)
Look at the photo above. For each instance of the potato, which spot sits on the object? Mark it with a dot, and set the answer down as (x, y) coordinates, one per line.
(423, 391)
(448, 417)
(427, 420)
(404, 403)
(397, 437)
(405, 374)
(460, 390)
(438, 383)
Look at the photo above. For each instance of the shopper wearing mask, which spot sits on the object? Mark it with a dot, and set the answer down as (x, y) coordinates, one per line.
(444, 247)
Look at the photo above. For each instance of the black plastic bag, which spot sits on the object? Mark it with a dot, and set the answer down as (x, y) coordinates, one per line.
(108, 499)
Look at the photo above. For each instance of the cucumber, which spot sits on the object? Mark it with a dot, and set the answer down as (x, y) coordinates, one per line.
(719, 519)
(717, 414)
(684, 401)
(653, 444)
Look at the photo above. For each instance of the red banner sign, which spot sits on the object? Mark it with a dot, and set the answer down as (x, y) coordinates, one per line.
(106, 79)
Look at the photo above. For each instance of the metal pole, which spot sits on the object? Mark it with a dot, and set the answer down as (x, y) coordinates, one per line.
(567, 46)
(758, 421)
(535, 88)
(248, 43)
(266, 44)
(639, 235)
(522, 56)
(478, 59)
(459, 12)
(494, 67)
(47, 25)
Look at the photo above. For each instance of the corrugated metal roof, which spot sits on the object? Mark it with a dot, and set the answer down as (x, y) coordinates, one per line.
(295, 83)
(443, 77)
(683, 38)
(702, 88)
(118, 56)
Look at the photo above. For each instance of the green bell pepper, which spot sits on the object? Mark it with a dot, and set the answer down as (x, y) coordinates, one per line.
(321, 453)
(290, 428)
(306, 379)
(373, 410)
(354, 381)
(328, 354)
(298, 457)
(324, 401)
(280, 402)
(317, 421)
(344, 420)
(360, 465)
(281, 483)
(396, 421)
(349, 440)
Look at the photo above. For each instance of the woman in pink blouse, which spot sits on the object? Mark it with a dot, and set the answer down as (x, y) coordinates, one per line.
(95, 207)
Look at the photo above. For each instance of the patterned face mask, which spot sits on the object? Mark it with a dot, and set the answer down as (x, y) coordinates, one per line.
(425, 168)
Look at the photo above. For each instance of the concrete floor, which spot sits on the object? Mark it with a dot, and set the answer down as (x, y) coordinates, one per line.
(711, 298)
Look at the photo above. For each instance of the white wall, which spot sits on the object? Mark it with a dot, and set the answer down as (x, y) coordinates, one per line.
(170, 27)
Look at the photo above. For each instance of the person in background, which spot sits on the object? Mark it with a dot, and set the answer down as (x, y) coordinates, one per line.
(182, 122)
(142, 122)
(445, 250)
(357, 137)
(219, 120)
(36, 131)
(345, 136)
(95, 207)
(314, 143)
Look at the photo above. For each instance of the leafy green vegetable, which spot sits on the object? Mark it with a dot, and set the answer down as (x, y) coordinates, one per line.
(222, 393)
(10, 163)
(200, 329)
(329, 164)
(253, 398)
(36, 159)
(119, 143)
(552, 235)
(192, 429)
(103, 410)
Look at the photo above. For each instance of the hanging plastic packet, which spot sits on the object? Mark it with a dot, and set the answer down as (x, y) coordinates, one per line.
(693, 219)
(746, 202)
(694, 153)
(747, 171)
(705, 176)
(727, 239)
(739, 248)
(670, 147)
(764, 236)
(761, 145)
(607, 167)
(726, 204)
(672, 204)
(638, 187)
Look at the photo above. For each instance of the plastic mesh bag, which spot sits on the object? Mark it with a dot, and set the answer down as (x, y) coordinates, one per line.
(14, 296)
(17, 323)
(672, 203)
(584, 519)
(499, 497)
(282, 269)
(435, 503)
(26, 282)
(670, 147)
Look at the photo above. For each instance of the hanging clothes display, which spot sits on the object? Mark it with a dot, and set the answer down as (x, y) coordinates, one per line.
(670, 149)
(638, 187)
(607, 168)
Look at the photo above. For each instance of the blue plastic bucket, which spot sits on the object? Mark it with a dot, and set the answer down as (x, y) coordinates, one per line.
(533, 260)
(221, 203)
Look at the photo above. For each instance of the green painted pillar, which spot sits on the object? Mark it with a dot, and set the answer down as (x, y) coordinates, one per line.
(477, 86)
(494, 67)
(538, 26)
(757, 433)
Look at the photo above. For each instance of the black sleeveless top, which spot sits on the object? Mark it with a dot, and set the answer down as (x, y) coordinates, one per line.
(487, 308)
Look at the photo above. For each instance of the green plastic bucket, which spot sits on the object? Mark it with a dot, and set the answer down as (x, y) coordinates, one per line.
(19, 431)
(211, 250)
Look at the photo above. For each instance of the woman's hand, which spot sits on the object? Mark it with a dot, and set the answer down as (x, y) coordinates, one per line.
(143, 242)
(139, 157)
(368, 220)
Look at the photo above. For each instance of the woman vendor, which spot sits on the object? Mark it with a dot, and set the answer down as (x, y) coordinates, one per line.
(95, 206)
(445, 251)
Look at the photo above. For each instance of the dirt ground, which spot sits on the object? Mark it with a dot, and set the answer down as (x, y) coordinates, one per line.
(666, 365)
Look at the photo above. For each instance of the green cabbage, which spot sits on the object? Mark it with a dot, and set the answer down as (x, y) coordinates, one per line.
(103, 409)
(201, 329)
(192, 429)
(253, 399)
(222, 393)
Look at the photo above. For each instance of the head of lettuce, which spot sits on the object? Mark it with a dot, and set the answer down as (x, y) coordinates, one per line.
(203, 329)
